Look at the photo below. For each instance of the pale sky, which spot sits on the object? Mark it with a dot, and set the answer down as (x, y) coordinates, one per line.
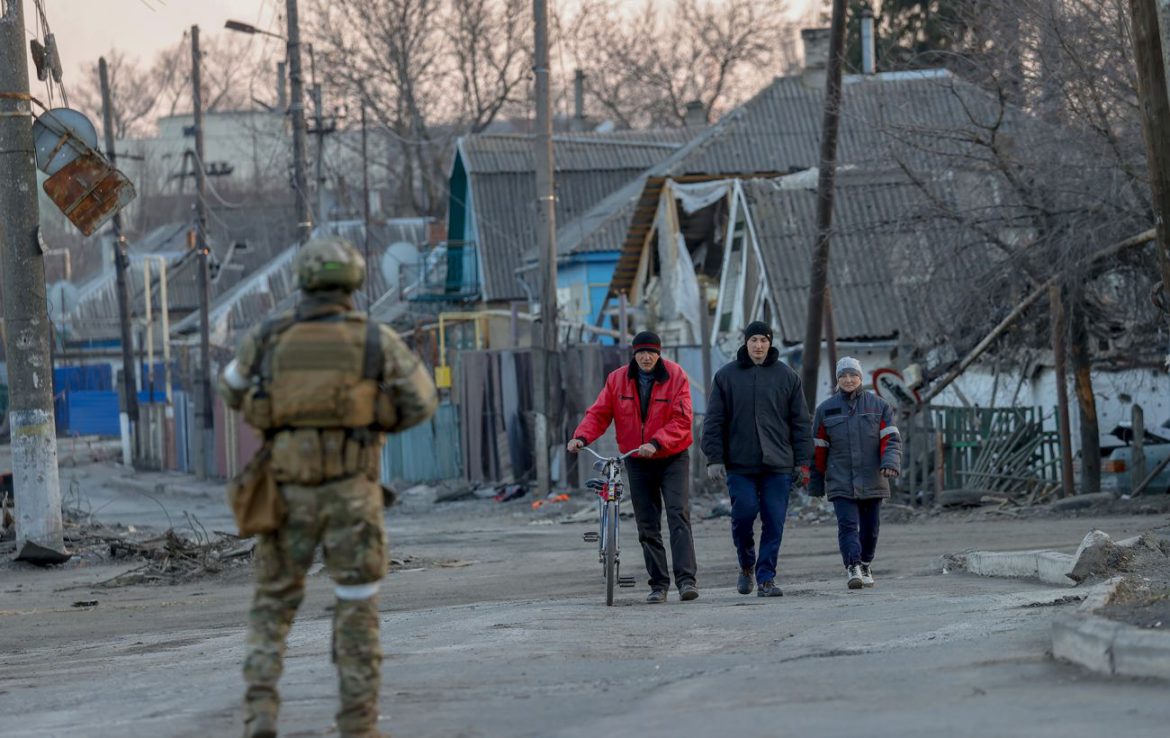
(87, 29)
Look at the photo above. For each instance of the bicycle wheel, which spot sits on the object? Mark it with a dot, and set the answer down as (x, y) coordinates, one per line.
(611, 572)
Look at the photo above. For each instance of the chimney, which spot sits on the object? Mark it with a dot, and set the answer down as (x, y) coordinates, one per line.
(816, 55)
(868, 54)
(579, 123)
(695, 115)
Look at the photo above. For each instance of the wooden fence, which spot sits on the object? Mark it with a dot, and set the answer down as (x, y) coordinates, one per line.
(995, 450)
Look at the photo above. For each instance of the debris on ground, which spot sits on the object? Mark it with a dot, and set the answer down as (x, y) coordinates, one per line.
(34, 553)
(453, 489)
(172, 558)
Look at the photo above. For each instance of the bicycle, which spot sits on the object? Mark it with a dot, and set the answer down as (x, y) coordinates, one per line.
(609, 497)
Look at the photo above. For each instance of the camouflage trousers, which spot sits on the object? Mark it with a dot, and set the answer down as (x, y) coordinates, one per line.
(345, 518)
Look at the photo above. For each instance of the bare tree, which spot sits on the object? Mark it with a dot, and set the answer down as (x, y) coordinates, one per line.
(644, 68)
(133, 89)
(1054, 142)
(144, 92)
(391, 53)
(490, 41)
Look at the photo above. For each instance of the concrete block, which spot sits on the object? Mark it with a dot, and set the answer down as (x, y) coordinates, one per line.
(1138, 652)
(1085, 640)
(1053, 568)
(1003, 563)
(1099, 595)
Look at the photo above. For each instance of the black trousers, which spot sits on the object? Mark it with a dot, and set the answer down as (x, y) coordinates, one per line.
(656, 484)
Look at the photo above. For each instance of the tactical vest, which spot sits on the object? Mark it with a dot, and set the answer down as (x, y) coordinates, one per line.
(319, 373)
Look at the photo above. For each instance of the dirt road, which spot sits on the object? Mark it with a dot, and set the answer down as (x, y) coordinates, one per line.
(495, 626)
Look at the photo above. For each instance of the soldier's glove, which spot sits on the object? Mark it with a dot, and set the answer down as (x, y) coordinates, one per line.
(718, 472)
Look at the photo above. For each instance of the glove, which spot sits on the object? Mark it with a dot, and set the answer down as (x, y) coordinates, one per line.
(575, 445)
(718, 472)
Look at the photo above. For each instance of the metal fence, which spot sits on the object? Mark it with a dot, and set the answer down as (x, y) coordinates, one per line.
(426, 453)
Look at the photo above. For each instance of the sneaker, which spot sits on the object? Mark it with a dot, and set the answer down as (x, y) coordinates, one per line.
(853, 574)
(769, 589)
(260, 725)
(866, 577)
(746, 582)
(656, 597)
(688, 592)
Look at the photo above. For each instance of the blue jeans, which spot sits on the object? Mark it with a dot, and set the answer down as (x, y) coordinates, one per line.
(857, 528)
(764, 495)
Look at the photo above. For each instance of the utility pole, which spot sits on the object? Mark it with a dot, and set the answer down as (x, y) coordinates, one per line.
(828, 167)
(1151, 63)
(1056, 309)
(296, 110)
(366, 205)
(39, 531)
(546, 239)
(319, 165)
(204, 413)
(120, 264)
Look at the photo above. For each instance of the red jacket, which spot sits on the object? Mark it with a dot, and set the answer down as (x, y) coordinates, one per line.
(667, 425)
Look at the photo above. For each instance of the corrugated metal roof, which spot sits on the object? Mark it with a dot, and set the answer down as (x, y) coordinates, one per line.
(888, 272)
(589, 167)
(885, 120)
(494, 153)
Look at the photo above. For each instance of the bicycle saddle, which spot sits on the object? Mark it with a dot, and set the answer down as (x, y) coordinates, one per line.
(596, 484)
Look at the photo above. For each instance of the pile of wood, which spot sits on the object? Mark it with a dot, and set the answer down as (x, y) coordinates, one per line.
(171, 558)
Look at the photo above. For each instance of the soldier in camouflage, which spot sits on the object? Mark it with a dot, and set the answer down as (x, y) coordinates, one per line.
(323, 383)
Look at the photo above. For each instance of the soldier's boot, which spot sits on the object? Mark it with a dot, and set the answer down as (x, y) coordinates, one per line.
(358, 655)
(268, 624)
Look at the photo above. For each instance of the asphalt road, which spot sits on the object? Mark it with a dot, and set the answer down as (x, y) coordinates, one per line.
(495, 626)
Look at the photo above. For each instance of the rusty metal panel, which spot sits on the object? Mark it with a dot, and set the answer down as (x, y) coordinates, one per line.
(89, 191)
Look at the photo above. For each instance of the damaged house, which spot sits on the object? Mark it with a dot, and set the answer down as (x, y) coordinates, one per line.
(934, 238)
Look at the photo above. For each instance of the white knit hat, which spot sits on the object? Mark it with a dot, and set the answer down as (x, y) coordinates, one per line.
(848, 364)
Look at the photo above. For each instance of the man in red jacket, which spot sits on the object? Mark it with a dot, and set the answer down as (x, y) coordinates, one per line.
(649, 403)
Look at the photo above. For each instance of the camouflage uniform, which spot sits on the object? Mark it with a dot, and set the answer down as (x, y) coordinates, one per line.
(342, 509)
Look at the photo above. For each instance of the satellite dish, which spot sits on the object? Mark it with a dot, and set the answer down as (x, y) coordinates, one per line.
(62, 298)
(396, 256)
(60, 136)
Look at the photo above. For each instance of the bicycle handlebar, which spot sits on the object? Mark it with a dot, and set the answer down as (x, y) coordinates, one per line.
(611, 458)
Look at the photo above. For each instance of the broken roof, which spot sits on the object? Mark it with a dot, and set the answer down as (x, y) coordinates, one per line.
(886, 119)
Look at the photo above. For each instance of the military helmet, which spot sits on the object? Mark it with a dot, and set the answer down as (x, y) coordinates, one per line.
(329, 263)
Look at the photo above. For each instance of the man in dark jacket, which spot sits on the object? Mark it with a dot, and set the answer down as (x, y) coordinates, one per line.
(755, 436)
(649, 403)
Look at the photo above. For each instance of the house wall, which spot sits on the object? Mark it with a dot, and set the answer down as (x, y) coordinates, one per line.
(583, 282)
(1116, 392)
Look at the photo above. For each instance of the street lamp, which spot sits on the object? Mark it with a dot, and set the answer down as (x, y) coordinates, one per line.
(296, 109)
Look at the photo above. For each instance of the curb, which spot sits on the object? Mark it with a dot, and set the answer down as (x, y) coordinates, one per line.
(1111, 648)
(1049, 567)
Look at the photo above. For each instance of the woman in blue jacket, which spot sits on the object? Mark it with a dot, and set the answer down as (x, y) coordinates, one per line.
(857, 451)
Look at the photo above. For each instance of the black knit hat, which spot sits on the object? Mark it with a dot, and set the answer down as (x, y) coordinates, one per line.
(647, 341)
(757, 328)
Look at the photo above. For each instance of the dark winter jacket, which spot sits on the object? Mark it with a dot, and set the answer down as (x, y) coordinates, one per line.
(855, 439)
(757, 419)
